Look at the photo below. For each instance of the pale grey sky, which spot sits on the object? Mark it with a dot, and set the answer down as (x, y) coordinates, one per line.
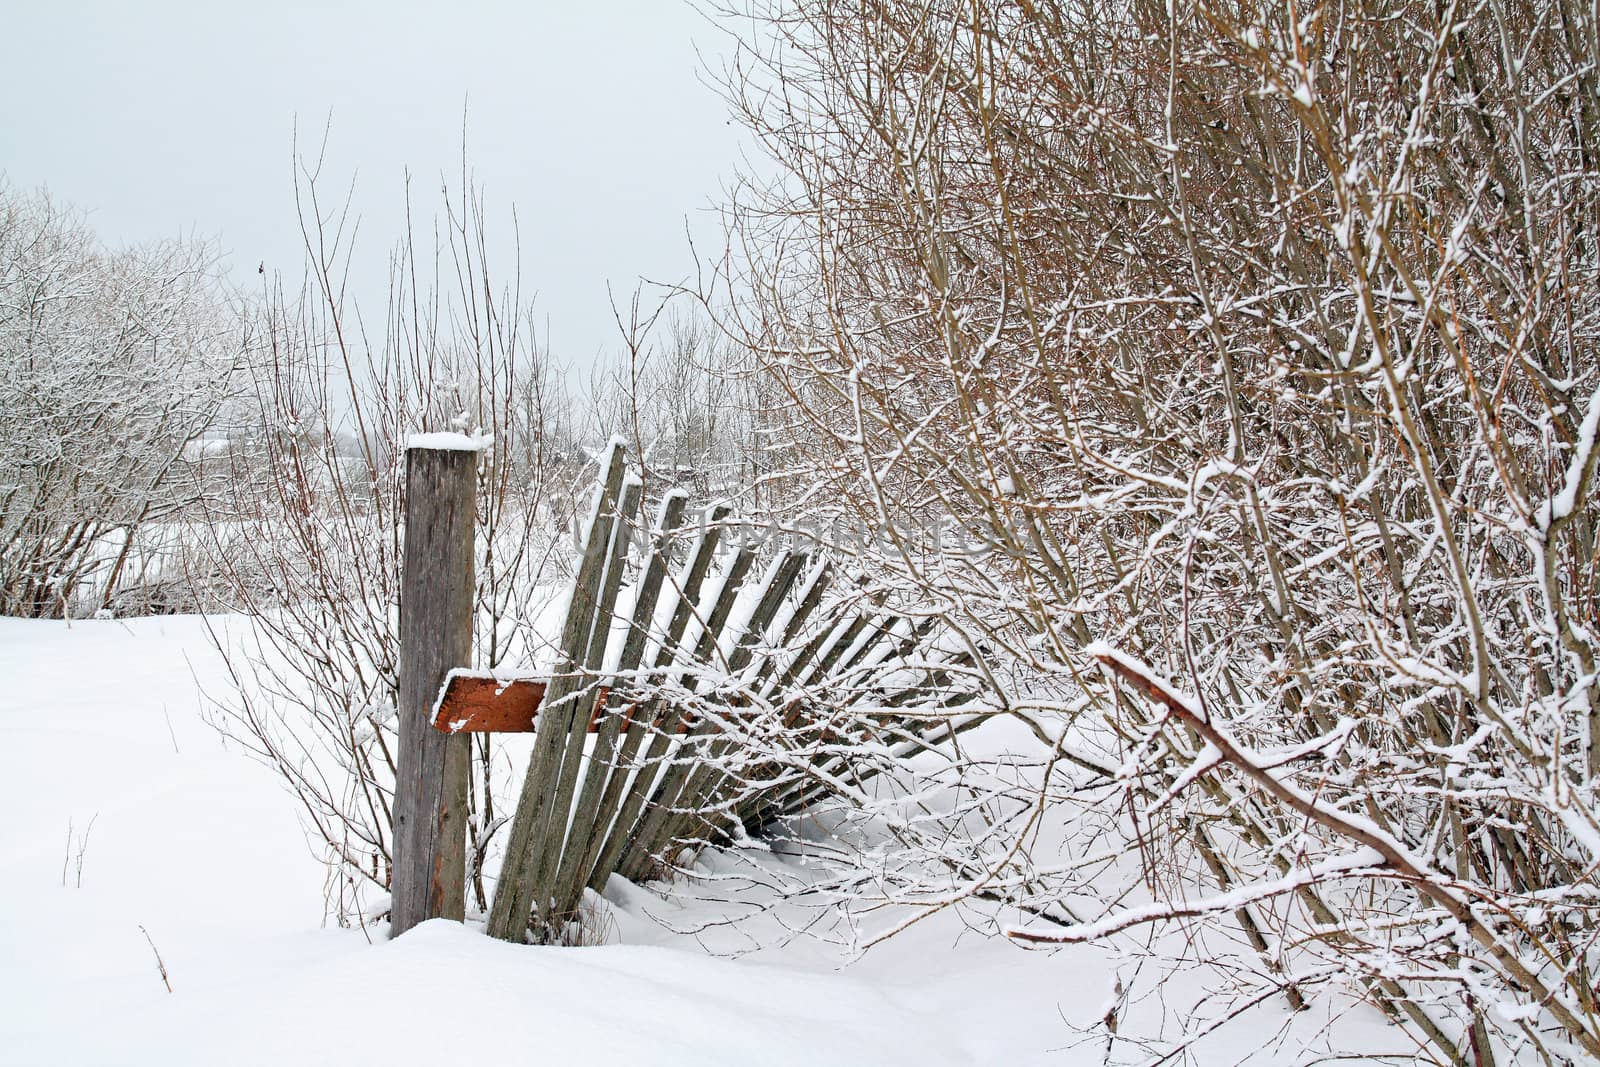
(591, 118)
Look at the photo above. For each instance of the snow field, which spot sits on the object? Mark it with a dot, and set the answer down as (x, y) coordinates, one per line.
(100, 720)
(191, 850)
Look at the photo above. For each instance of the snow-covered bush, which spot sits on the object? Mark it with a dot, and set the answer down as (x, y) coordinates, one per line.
(111, 363)
(1252, 352)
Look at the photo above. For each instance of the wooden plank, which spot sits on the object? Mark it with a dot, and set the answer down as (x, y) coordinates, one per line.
(656, 719)
(482, 705)
(436, 601)
(810, 599)
(559, 799)
(474, 705)
(707, 780)
(616, 745)
(783, 577)
(659, 814)
(689, 595)
(513, 897)
(829, 634)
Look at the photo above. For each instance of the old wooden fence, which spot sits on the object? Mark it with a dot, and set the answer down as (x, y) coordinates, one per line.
(717, 703)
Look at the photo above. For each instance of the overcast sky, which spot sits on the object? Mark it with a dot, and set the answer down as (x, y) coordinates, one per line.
(591, 118)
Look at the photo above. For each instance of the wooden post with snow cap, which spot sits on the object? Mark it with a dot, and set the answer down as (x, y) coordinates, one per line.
(436, 595)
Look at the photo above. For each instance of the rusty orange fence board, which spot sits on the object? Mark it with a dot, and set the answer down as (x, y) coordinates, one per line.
(483, 705)
(475, 705)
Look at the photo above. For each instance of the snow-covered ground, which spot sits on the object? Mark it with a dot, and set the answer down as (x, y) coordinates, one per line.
(134, 831)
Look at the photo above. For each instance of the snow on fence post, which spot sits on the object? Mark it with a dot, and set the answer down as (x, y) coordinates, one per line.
(436, 593)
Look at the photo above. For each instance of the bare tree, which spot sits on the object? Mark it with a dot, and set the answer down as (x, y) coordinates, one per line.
(112, 364)
(682, 391)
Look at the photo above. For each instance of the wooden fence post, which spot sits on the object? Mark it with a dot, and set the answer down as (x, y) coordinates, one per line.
(436, 595)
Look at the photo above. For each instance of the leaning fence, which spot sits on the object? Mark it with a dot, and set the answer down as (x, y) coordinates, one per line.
(703, 688)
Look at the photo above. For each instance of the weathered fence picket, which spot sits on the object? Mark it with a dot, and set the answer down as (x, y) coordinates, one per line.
(436, 595)
(514, 895)
(656, 719)
(614, 748)
(702, 783)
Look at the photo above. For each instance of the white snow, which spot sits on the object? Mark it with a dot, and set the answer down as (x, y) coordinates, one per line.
(100, 720)
(184, 838)
(451, 442)
(1579, 469)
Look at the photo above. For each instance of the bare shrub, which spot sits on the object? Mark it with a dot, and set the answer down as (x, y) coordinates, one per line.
(316, 483)
(1250, 351)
